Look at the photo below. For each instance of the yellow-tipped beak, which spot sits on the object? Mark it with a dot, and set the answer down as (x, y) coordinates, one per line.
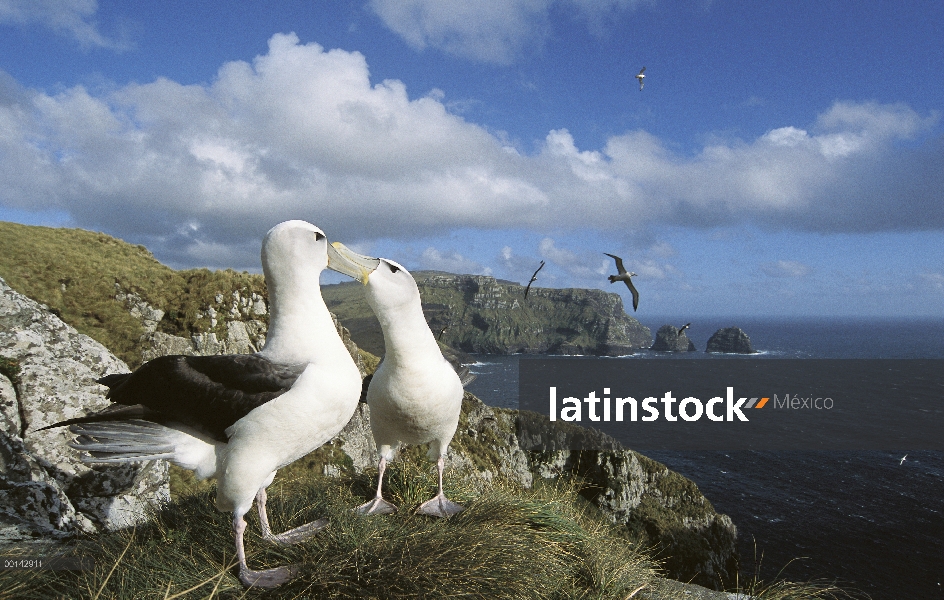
(350, 263)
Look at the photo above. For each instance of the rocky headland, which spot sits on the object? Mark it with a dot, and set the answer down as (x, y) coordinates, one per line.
(481, 314)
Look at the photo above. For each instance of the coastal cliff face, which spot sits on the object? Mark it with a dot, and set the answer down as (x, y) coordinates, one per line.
(481, 314)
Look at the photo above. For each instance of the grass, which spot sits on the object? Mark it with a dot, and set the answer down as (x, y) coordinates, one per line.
(75, 273)
(508, 543)
(544, 543)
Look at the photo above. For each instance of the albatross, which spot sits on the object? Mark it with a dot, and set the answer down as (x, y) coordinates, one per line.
(625, 278)
(242, 417)
(640, 77)
(683, 328)
(533, 279)
(415, 396)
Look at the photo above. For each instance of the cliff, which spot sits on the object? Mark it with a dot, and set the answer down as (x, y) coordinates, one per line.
(485, 315)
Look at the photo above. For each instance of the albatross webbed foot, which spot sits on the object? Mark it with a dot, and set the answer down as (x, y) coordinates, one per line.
(286, 538)
(267, 579)
(439, 506)
(298, 534)
(377, 506)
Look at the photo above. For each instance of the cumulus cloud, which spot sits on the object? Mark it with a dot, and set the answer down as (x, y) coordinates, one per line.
(301, 132)
(785, 268)
(495, 31)
(72, 18)
(451, 262)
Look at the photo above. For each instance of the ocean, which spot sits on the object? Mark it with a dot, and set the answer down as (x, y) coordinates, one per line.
(864, 520)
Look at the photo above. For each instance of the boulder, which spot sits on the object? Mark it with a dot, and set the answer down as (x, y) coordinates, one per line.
(48, 375)
(730, 340)
(668, 339)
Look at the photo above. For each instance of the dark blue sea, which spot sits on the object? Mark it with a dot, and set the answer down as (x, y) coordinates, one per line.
(865, 520)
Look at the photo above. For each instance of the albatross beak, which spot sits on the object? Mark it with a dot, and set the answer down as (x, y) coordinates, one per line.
(352, 264)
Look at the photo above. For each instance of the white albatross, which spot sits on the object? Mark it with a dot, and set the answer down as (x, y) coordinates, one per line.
(640, 77)
(415, 396)
(239, 418)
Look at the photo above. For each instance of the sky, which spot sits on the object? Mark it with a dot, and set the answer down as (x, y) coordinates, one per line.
(783, 158)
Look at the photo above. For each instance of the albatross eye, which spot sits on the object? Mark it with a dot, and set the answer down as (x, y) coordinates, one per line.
(319, 236)
(393, 269)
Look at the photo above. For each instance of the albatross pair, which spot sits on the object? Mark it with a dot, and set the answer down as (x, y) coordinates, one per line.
(242, 417)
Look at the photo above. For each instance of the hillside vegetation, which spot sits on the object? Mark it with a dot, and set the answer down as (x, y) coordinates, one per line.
(78, 274)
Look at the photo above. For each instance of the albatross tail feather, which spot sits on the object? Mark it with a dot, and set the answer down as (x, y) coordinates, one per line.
(138, 440)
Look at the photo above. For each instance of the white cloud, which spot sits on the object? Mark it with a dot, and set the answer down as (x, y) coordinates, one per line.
(496, 31)
(302, 133)
(934, 281)
(73, 18)
(452, 262)
(785, 268)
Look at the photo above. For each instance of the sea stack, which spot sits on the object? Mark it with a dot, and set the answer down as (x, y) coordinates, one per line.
(670, 339)
(731, 340)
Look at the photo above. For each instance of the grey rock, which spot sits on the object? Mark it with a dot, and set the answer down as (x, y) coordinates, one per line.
(730, 340)
(44, 489)
(668, 339)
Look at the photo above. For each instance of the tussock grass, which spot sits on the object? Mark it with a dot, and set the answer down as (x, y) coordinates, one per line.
(545, 543)
(508, 543)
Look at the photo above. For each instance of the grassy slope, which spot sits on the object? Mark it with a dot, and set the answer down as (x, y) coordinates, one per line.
(74, 272)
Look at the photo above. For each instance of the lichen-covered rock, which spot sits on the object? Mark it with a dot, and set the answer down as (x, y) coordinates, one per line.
(730, 340)
(668, 339)
(53, 371)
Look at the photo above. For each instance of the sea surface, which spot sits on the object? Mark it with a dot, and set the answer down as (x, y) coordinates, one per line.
(868, 521)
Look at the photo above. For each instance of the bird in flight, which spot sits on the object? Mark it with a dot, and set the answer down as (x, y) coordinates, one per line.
(903, 460)
(684, 327)
(625, 278)
(533, 279)
(640, 77)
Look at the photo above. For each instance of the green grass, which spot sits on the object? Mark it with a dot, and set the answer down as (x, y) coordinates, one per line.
(75, 272)
(508, 543)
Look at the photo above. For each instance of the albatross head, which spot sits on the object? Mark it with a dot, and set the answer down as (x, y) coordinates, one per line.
(295, 247)
(389, 284)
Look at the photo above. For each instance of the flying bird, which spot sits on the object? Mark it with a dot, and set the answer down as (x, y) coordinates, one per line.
(415, 396)
(640, 77)
(241, 417)
(902, 460)
(683, 328)
(533, 279)
(625, 278)
(441, 332)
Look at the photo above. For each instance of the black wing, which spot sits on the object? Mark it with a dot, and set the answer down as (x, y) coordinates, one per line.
(619, 265)
(209, 393)
(632, 289)
(534, 278)
(643, 70)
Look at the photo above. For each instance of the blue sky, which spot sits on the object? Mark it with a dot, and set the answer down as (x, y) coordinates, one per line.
(782, 159)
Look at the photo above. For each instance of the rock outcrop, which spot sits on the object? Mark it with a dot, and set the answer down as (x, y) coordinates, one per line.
(482, 314)
(730, 340)
(668, 339)
(49, 372)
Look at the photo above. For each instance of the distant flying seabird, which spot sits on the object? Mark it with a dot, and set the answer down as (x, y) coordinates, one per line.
(640, 77)
(624, 277)
(242, 417)
(683, 328)
(533, 279)
(441, 332)
(415, 396)
(903, 460)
